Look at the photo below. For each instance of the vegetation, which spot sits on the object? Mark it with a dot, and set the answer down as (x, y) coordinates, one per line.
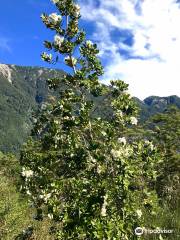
(18, 100)
(27, 93)
(79, 169)
(16, 215)
(166, 133)
(88, 171)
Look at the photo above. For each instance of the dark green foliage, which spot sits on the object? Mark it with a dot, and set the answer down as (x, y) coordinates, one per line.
(165, 131)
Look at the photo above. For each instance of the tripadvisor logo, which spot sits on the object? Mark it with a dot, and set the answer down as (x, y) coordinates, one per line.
(139, 231)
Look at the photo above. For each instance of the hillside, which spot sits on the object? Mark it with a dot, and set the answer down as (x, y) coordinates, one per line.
(154, 104)
(22, 91)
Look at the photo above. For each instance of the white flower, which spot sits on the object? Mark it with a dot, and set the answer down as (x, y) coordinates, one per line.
(99, 169)
(139, 213)
(119, 113)
(116, 153)
(55, 18)
(46, 57)
(55, 1)
(50, 215)
(58, 40)
(149, 144)
(56, 122)
(103, 133)
(122, 140)
(76, 10)
(43, 16)
(45, 196)
(70, 61)
(103, 209)
(43, 106)
(66, 118)
(133, 120)
(77, 7)
(28, 192)
(92, 159)
(89, 43)
(27, 173)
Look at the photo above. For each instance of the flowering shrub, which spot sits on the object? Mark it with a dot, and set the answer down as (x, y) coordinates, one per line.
(80, 170)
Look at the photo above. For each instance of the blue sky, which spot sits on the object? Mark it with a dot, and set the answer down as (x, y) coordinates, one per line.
(139, 40)
(22, 32)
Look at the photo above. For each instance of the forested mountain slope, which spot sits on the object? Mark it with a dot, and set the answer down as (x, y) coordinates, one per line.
(23, 89)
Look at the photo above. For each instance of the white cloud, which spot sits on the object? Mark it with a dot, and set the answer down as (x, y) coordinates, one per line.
(4, 44)
(153, 65)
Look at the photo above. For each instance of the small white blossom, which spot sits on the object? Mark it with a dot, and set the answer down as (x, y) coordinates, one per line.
(99, 169)
(116, 153)
(55, 1)
(92, 159)
(133, 120)
(77, 7)
(89, 43)
(28, 192)
(149, 144)
(55, 18)
(27, 173)
(34, 120)
(104, 206)
(139, 213)
(76, 10)
(43, 16)
(66, 118)
(46, 57)
(122, 140)
(50, 215)
(56, 122)
(58, 40)
(119, 113)
(43, 106)
(103, 133)
(45, 196)
(70, 61)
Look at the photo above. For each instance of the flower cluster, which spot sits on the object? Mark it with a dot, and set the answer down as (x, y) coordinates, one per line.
(55, 1)
(116, 153)
(27, 173)
(133, 120)
(55, 18)
(45, 196)
(139, 213)
(46, 57)
(58, 40)
(70, 61)
(149, 144)
(104, 206)
(76, 10)
(89, 44)
(122, 140)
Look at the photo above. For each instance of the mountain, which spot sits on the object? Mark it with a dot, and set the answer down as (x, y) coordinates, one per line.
(22, 91)
(154, 104)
